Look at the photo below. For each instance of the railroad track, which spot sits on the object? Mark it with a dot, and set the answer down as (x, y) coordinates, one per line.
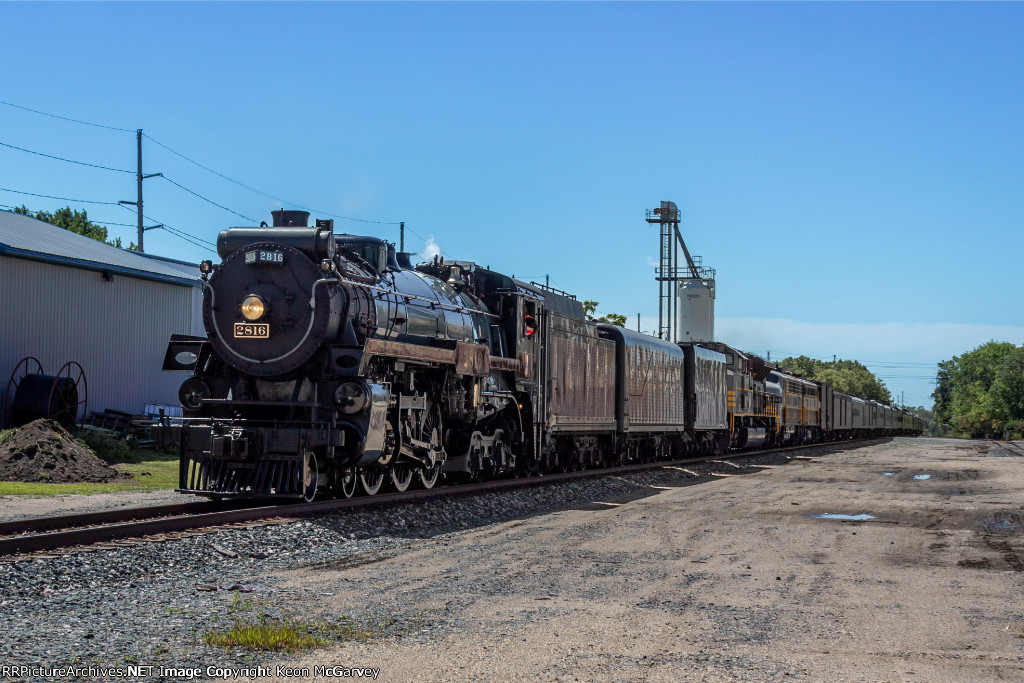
(1013, 447)
(81, 531)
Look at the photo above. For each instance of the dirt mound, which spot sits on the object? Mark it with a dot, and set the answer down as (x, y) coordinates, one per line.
(42, 451)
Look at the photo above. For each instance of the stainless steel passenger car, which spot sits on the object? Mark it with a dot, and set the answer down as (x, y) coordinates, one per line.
(651, 374)
(580, 376)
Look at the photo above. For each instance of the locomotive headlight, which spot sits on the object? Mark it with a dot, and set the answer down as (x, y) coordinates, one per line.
(192, 393)
(253, 308)
(352, 397)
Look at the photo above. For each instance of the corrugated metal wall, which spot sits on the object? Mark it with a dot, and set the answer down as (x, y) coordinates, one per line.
(117, 330)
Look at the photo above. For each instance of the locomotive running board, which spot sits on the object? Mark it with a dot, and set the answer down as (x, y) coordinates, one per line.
(468, 359)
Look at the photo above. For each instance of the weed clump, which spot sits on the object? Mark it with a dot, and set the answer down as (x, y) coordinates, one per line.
(267, 634)
(110, 449)
(253, 629)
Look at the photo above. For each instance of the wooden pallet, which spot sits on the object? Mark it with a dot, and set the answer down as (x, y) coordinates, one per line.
(120, 424)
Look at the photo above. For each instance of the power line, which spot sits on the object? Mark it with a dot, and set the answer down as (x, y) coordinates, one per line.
(182, 233)
(63, 199)
(192, 161)
(898, 364)
(188, 237)
(416, 234)
(884, 364)
(206, 244)
(261, 192)
(221, 206)
(91, 220)
(70, 161)
(65, 118)
(207, 168)
(185, 236)
(192, 239)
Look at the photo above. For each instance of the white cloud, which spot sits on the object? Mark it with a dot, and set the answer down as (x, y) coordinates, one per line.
(653, 262)
(926, 342)
(904, 355)
(430, 249)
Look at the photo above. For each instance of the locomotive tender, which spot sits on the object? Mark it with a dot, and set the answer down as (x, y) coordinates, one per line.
(332, 366)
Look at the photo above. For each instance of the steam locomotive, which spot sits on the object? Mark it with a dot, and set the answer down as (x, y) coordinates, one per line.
(333, 366)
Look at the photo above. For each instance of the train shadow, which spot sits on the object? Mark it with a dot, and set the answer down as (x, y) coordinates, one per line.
(458, 515)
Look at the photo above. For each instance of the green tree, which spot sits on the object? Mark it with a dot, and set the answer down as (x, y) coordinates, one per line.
(77, 222)
(614, 319)
(590, 308)
(926, 416)
(847, 376)
(1008, 391)
(981, 393)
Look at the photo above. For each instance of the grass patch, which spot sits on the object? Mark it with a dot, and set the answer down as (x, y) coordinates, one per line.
(268, 634)
(151, 471)
(253, 629)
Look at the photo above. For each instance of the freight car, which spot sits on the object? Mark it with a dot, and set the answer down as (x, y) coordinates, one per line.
(331, 365)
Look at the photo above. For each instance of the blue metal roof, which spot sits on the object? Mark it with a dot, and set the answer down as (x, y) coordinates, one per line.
(25, 237)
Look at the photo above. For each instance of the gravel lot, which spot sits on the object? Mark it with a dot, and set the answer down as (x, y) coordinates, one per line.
(677, 574)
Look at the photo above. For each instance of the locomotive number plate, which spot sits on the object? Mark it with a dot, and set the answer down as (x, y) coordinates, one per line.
(263, 256)
(252, 331)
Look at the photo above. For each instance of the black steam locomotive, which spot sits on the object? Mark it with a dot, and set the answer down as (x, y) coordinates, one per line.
(332, 365)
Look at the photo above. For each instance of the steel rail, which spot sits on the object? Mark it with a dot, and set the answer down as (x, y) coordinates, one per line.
(53, 523)
(186, 517)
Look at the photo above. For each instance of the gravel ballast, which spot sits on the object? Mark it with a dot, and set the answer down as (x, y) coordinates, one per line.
(641, 576)
(141, 604)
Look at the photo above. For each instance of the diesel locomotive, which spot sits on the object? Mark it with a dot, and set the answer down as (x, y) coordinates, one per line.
(333, 366)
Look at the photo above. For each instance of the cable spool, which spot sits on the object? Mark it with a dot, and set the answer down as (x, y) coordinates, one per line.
(29, 365)
(57, 397)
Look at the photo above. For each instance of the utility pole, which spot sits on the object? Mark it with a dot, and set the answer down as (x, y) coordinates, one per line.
(637, 322)
(138, 202)
(547, 282)
(401, 236)
(138, 135)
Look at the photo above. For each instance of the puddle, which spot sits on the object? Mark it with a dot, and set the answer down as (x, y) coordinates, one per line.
(888, 474)
(961, 492)
(847, 518)
(921, 477)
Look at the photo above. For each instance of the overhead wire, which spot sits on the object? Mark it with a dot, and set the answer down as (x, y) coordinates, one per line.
(186, 158)
(261, 192)
(63, 199)
(70, 161)
(65, 118)
(97, 221)
(186, 236)
(205, 199)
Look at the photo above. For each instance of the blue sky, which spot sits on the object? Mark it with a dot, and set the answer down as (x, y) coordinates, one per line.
(852, 171)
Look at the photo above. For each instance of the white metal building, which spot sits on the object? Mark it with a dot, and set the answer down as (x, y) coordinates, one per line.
(65, 297)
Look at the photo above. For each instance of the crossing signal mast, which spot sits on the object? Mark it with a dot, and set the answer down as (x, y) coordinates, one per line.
(686, 300)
